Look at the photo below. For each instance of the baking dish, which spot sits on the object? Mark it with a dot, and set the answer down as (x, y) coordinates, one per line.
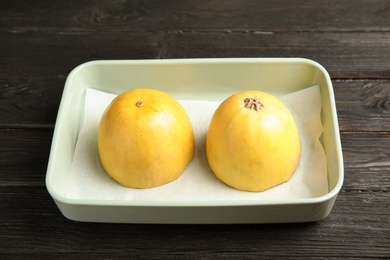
(197, 79)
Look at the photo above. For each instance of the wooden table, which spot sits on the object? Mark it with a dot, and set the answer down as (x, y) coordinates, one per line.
(42, 41)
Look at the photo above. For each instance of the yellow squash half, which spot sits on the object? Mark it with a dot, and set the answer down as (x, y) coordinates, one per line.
(253, 142)
(145, 139)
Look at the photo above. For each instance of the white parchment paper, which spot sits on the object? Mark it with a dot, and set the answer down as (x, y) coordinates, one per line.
(88, 179)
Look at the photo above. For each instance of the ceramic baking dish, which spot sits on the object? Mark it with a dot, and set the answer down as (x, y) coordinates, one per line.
(199, 79)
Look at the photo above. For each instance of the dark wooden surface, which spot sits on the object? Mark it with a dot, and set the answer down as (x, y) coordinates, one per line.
(42, 41)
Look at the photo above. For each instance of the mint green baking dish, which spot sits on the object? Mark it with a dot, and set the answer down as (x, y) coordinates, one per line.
(198, 79)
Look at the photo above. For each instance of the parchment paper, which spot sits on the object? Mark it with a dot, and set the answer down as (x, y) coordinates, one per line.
(88, 179)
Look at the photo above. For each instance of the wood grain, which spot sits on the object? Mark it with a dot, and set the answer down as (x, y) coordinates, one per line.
(363, 105)
(42, 41)
(366, 158)
(196, 16)
(24, 155)
(344, 55)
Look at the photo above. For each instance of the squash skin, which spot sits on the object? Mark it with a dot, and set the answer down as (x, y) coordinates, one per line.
(145, 146)
(253, 150)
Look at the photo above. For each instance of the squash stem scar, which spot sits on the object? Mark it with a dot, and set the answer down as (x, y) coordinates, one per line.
(253, 104)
